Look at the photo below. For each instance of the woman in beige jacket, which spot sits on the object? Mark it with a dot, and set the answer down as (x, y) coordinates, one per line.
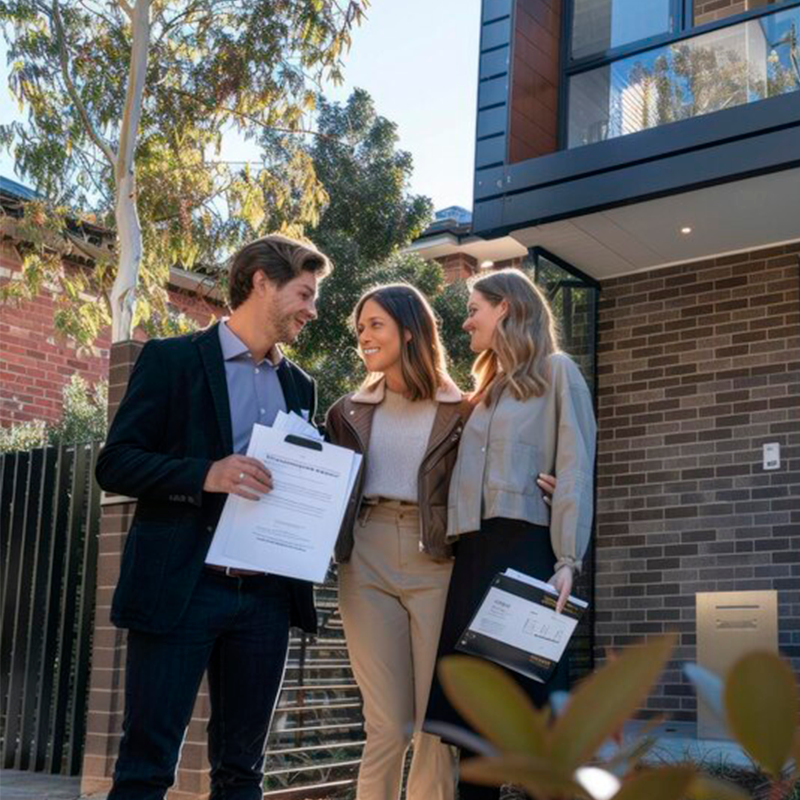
(394, 560)
(533, 414)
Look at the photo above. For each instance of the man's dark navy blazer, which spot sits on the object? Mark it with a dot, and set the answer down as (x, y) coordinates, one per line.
(173, 422)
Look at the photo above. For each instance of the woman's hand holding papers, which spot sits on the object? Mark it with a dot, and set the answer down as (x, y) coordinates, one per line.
(562, 580)
(240, 475)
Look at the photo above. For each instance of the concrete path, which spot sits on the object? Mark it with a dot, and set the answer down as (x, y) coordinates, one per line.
(16, 785)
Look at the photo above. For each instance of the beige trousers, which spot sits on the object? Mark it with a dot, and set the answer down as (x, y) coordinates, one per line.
(392, 598)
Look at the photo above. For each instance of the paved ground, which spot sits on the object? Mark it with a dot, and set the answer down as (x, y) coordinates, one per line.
(16, 785)
(674, 742)
(677, 741)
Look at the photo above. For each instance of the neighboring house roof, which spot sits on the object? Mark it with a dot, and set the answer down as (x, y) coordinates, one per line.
(14, 189)
(90, 241)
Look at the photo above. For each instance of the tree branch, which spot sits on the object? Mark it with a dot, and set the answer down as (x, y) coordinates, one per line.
(259, 122)
(73, 92)
(125, 6)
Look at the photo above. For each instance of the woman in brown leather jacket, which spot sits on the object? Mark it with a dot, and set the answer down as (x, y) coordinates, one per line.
(394, 561)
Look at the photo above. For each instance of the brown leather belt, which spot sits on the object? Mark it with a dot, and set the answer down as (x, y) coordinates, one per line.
(231, 572)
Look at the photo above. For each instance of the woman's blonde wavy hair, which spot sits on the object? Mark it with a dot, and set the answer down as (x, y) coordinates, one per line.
(524, 339)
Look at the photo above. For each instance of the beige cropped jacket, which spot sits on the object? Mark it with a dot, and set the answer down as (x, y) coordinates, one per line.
(505, 446)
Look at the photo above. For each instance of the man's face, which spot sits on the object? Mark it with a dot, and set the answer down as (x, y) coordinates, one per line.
(292, 306)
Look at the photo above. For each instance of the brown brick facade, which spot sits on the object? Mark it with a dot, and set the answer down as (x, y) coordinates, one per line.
(36, 363)
(698, 367)
(534, 80)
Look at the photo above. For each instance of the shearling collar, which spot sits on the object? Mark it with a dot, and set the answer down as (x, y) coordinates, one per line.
(373, 393)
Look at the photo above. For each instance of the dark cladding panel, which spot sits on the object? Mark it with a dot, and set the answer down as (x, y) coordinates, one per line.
(494, 9)
(490, 152)
(493, 92)
(493, 85)
(491, 122)
(496, 34)
(494, 63)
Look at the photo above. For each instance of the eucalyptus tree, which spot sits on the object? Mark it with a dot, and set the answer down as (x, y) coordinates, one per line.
(127, 103)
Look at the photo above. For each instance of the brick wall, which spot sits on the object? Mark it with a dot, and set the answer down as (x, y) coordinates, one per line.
(36, 364)
(698, 367)
(458, 267)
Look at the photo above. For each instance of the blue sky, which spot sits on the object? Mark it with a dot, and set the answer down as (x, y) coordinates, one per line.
(419, 61)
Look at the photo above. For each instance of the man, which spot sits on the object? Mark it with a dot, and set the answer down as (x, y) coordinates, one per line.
(177, 444)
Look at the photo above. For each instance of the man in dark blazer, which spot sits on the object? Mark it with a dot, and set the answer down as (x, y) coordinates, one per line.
(177, 444)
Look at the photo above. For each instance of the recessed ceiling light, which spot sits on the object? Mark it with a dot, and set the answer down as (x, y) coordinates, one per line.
(487, 264)
(686, 229)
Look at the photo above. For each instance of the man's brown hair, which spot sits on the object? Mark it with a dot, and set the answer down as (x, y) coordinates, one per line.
(280, 258)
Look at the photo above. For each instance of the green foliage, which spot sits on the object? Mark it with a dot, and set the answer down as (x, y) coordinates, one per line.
(24, 436)
(756, 683)
(370, 215)
(83, 420)
(547, 757)
(214, 67)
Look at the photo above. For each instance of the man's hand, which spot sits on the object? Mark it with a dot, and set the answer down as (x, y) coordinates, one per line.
(240, 475)
(547, 483)
(562, 580)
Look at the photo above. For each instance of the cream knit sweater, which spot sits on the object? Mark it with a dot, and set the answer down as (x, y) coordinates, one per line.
(397, 444)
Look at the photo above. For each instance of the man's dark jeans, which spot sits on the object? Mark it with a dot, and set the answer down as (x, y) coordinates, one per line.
(238, 628)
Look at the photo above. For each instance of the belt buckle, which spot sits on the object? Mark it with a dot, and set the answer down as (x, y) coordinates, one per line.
(229, 573)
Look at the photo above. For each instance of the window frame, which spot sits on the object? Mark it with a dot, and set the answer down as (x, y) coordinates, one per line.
(682, 14)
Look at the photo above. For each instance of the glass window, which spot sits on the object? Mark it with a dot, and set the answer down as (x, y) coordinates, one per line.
(706, 11)
(723, 68)
(599, 25)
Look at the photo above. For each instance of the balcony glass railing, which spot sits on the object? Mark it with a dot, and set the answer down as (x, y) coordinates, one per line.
(726, 67)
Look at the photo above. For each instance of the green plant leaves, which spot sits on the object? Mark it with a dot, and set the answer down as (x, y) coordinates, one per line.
(668, 783)
(539, 779)
(605, 700)
(704, 788)
(761, 704)
(494, 704)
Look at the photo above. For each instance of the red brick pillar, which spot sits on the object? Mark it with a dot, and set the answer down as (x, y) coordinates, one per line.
(106, 689)
(458, 267)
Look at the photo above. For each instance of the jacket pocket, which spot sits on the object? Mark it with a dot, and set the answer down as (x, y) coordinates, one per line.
(512, 467)
(148, 549)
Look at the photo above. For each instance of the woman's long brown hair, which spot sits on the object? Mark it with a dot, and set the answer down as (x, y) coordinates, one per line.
(422, 357)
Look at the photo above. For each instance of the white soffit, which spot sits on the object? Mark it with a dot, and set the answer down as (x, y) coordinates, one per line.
(480, 249)
(731, 217)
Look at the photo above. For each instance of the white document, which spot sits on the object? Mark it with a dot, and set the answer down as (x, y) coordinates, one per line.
(291, 530)
(520, 623)
(292, 423)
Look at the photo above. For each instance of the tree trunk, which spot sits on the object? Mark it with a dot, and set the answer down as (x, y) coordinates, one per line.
(129, 231)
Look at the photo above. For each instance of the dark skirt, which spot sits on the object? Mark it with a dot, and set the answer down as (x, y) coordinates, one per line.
(500, 544)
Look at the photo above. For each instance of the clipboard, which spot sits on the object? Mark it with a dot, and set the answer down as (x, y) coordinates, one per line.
(292, 530)
(516, 626)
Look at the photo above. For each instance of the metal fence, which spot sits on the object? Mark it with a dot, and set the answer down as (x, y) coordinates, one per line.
(49, 523)
(317, 735)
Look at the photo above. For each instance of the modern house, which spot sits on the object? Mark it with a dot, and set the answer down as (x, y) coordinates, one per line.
(643, 158)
